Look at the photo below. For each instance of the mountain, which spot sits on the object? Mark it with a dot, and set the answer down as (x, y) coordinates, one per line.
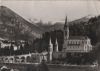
(13, 24)
(59, 25)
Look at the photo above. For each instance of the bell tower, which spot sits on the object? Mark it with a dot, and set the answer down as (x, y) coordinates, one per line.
(66, 29)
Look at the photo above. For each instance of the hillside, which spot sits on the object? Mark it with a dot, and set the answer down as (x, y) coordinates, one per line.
(60, 25)
(13, 24)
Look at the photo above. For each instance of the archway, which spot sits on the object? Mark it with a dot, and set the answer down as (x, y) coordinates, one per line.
(16, 59)
(22, 59)
(28, 59)
(6, 60)
(11, 60)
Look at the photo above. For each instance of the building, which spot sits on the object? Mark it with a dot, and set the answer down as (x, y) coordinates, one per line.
(72, 45)
(75, 43)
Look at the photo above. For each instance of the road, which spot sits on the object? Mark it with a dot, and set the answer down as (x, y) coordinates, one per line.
(44, 67)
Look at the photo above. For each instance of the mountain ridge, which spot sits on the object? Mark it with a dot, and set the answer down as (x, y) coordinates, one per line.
(60, 25)
(6, 15)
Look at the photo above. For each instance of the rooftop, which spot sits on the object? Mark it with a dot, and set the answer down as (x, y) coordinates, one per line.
(78, 37)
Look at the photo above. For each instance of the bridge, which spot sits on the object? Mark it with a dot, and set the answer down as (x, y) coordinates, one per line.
(25, 58)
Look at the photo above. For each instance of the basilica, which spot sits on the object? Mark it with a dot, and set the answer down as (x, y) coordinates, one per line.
(72, 45)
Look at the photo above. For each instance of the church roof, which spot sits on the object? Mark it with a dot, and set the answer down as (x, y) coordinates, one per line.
(78, 37)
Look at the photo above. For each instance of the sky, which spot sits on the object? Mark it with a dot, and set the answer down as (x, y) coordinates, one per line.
(53, 11)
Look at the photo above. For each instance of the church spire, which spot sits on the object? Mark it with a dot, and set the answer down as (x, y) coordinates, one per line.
(50, 43)
(66, 29)
(65, 25)
(50, 50)
(56, 46)
(66, 21)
